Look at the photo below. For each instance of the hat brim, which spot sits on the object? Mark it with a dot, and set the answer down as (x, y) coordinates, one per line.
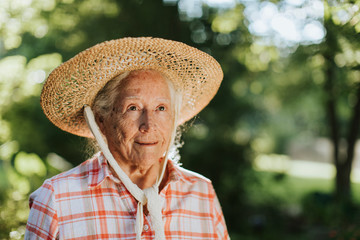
(76, 82)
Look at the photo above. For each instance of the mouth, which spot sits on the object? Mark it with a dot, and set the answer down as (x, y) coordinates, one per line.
(146, 144)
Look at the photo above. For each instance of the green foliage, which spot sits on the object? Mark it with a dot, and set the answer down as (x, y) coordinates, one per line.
(336, 218)
(269, 96)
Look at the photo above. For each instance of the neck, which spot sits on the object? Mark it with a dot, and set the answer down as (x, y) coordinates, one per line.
(143, 176)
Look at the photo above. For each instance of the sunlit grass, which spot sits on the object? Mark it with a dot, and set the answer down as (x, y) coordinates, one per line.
(292, 189)
(282, 178)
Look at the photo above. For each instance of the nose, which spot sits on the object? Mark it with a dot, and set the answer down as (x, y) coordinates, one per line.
(146, 121)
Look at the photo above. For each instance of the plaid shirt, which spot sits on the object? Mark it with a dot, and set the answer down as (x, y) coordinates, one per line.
(89, 202)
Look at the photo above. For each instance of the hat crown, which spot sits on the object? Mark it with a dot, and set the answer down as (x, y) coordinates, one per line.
(76, 82)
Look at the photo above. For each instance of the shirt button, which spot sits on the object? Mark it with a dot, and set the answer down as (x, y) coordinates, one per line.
(146, 227)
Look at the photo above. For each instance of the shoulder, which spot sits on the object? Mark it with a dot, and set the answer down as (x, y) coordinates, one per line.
(74, 180)
(192, 176)
(192, 182)
(78, 172)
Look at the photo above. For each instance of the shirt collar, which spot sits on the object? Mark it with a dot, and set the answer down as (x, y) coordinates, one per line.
(99, 170)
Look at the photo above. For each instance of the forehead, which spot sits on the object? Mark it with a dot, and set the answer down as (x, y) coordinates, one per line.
(145, 82)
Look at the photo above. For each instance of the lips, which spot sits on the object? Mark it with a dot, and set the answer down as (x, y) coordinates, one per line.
(147, 143)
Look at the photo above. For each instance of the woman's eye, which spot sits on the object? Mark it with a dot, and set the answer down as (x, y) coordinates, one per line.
(132, 108)
(161, 108)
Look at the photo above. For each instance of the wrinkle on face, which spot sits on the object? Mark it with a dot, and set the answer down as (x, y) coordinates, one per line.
(138, 129)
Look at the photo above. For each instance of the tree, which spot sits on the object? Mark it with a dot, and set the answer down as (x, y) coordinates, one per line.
(341, 81)
(318, 85)
(330, 78)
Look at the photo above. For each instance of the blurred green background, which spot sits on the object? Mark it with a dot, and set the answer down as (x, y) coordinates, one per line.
(279, 140)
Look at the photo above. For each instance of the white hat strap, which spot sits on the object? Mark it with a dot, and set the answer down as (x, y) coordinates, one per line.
(147, 196)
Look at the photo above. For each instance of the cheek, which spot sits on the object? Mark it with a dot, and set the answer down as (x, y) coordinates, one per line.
(166, 127)
(113, 128)
(126, 128)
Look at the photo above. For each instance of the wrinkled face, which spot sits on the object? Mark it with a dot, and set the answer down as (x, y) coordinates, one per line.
(138, 130)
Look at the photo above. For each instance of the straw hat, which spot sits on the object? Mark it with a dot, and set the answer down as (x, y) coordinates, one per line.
(77, 81)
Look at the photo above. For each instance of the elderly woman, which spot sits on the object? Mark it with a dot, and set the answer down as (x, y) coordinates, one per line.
(131, 95)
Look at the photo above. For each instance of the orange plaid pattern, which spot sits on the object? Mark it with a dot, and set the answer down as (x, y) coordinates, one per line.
(88, 202)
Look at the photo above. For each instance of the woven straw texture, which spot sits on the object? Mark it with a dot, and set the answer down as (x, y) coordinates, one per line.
(76, 82)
